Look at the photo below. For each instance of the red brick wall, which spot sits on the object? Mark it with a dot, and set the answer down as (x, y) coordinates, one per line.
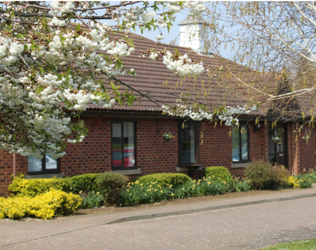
(217, 147)
(307, 159)
(155, 155)
(6, 169)
(93, 155)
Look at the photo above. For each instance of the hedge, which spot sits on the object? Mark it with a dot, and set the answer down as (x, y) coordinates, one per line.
(32, 187)
(45, 206)
(165, 179)
(218, 173)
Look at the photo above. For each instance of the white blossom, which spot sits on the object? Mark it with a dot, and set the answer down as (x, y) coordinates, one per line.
(54, 69)
(160, 37)
(183, 65)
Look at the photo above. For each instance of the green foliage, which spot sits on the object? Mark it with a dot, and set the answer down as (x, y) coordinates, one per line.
(91, 199)
(33, 187)
(23, 187)
(305, 183)
(165, 179)
(295, 245)
(85, 183)
(262, 175)
(45, 206)
(110, 185)
(243, 186)
(305, 180)
(140, 193)
(217, 174)
(205, 186)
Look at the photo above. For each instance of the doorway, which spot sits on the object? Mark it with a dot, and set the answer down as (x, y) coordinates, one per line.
(278, 150)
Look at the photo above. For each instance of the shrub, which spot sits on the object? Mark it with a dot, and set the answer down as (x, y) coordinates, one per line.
(139, 193)
(110, 185)
(85, 183)
(293, 181)
(203, 186)
(23, 187)
(217, 174)
(32, 187)
(91, 199)
(262, 175)
(243, 186)
(45, 206)
(165, 179)
(305, 180)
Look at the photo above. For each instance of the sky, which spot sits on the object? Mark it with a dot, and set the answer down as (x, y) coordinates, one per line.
(169, 36)
(173, 33)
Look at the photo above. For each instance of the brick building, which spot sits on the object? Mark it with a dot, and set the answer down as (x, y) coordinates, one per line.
(129, 140)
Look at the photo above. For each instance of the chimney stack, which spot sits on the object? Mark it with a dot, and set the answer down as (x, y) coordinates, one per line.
(193, 34)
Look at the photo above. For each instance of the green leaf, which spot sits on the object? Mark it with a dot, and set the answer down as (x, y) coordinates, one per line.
(78, 28)
(177, 52)
(112, 85)
(20, 36)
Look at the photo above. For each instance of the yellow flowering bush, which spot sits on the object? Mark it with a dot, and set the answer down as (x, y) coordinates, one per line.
(24, 187)
(292, 181)
(45, 206)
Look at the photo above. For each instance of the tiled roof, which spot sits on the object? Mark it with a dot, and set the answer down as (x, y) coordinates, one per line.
(160, 84)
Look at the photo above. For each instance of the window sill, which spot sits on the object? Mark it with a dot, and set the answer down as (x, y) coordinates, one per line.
(239, 165)
(127, 171)
(181, 168)
(36, 176)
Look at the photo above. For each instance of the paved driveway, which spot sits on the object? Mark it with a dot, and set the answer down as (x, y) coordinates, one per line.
(248, 227)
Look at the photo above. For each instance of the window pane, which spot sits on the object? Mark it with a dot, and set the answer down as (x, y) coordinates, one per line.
(188, 144)
(50, 163)
(281, 143)
(34, 164)
(129, 147)
(116, 144)
(235, 143)
(244, 142)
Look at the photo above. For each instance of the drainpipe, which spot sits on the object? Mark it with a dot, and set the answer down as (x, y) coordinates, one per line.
(14, 165)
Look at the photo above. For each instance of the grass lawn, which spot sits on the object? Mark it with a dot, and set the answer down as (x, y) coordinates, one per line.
(295, 245)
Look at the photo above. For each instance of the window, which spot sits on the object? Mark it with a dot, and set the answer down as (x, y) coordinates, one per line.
(240, 143)
(44, 166)
(188, 143)
(123, 145)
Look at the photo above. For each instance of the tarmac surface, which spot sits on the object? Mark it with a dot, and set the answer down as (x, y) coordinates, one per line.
(249, 222)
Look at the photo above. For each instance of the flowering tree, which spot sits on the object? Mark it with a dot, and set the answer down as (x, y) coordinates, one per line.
(272, 38)
(49, 66)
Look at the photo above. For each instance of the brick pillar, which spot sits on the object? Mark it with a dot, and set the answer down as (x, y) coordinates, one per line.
(264, 146)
